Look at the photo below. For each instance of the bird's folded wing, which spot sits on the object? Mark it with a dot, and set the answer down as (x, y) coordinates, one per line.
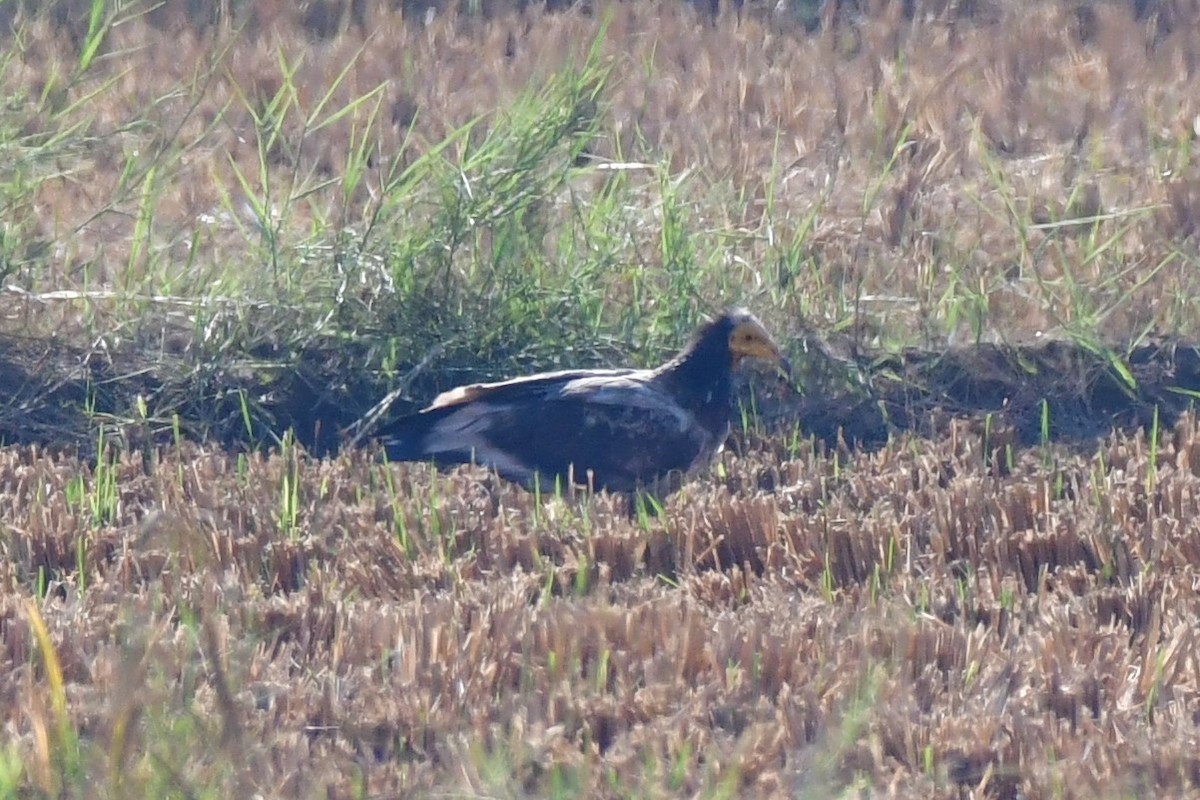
(517, 387)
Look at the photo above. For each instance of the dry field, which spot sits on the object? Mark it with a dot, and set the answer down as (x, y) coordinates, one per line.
(938, 574)
(927, 620)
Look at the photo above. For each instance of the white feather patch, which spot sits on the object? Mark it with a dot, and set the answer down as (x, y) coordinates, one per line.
(630, 391)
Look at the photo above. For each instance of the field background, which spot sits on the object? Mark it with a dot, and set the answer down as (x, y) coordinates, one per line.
(960, 564)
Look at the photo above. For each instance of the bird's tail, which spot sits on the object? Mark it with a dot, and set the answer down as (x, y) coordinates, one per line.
(403, 439)
(408, 438)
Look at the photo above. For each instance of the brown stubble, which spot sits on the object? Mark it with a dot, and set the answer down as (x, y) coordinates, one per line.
(798, 626)
(791, 627)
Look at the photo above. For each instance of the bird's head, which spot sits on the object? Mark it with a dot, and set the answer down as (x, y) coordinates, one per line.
(749, 339)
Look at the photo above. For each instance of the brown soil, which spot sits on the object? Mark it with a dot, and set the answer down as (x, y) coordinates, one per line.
(1078, 393)
(56, 395)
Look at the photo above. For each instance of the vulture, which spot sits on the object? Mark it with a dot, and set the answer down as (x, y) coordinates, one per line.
(622, 430)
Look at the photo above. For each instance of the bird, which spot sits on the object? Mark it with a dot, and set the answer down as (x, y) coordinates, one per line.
(619, 430)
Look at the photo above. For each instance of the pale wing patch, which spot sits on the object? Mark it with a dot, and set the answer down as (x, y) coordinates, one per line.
(622, 380)
(457, 395)
(474, 391)
(630, 391)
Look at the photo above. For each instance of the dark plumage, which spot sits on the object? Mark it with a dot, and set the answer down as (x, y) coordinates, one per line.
(616, 429)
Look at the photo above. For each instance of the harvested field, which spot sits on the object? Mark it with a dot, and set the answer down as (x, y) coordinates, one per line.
(931, 620)
(961, 563)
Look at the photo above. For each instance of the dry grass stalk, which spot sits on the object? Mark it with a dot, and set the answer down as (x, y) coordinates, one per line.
(907, 619)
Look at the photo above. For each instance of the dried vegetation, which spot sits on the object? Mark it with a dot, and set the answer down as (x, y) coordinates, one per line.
(1022, 150)
(936, 619)
(212, 204)
(955, 616)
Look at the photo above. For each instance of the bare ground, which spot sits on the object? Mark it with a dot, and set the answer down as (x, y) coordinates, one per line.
(58, 395)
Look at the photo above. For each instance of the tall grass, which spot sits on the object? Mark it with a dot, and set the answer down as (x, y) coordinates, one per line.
(285, 225)
(505, 247)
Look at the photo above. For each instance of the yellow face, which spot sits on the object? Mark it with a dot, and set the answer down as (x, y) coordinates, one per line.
(749, 339)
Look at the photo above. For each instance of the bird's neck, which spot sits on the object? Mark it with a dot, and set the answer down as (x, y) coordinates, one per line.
(699, 376)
